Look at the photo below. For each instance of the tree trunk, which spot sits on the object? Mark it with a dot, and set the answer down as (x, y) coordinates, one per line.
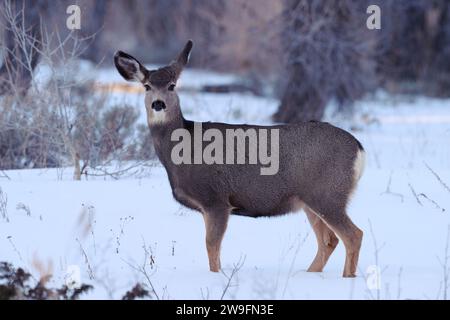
(77, 168)
(300, 101)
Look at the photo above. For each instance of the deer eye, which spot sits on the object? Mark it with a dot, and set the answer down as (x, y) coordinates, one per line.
(147, 87)
(171, 87)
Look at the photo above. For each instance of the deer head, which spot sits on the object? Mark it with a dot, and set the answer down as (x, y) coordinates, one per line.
(161, 100)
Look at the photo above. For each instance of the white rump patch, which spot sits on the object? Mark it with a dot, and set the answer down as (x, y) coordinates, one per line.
(359, 165)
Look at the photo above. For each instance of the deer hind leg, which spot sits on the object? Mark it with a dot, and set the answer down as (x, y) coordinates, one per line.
(326, 241)
(216, 221)
(350, 235)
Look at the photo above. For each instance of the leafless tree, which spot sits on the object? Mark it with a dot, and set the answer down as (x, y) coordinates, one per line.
(21, 32)
(328, 57)
(413, 46)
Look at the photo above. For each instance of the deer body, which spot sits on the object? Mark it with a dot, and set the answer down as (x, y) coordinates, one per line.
(319, 167)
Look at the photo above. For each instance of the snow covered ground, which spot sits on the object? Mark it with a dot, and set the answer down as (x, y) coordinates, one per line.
(112, 229)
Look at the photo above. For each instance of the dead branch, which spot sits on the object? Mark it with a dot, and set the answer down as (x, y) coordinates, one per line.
(388, 189)
(415, 194)
(432, 201)
(446, 187)
(236, 267)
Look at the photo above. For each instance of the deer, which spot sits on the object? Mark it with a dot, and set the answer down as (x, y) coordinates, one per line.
(319, 168)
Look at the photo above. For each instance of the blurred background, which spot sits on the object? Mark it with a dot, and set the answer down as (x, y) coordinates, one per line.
(306, 54)
(321, 44)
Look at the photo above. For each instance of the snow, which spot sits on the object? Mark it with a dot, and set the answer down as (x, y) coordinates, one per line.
(102, 225)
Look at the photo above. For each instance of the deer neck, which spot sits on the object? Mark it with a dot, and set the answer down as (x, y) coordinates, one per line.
(161, 133)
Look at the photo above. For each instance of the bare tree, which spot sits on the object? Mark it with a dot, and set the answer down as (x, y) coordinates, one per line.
(328, 55)
(21, 28)
(413, 47)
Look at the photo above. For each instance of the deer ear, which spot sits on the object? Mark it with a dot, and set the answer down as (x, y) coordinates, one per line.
(129, 67)
(182, 59)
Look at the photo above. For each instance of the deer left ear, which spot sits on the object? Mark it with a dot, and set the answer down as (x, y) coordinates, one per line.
(182, 58)
(129, 67)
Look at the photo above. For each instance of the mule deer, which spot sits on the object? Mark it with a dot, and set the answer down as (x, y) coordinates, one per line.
(319, 168)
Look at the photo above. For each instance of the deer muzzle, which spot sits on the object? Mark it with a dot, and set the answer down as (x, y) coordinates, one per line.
(158, 105)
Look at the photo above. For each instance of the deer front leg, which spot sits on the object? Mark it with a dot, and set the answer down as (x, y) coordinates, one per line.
(216, 221)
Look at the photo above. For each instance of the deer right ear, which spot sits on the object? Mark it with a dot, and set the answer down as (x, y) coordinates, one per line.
(130, 68)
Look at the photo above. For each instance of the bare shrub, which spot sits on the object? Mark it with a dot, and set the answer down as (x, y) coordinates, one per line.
(99, 133)
(137, 292)
(26, 139)
(36, 132)
(63, 120)
(18, 284)
(143, 148)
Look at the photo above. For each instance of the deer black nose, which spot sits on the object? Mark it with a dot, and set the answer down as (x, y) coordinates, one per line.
(158, 105)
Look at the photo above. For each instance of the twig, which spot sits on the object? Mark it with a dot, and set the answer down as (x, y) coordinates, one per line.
(14, 248)
(388, 189)
(115, 174)
(205, 296)
(291, 267)
(4, 175)
(24, 207)
(437, 177)
(376, 253)
(445, 284)
(415, 194)
(236, 267)
(432, 201)
(4, 205)
(399, 279)
(86, 260)
(143, 269)
(123, 222)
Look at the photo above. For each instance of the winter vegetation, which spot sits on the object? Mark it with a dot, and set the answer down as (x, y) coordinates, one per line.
(86, 209)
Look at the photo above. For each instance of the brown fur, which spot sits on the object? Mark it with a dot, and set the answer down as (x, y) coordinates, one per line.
(316, 170)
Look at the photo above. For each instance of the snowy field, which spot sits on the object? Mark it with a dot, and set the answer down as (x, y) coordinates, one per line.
(119, 232)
